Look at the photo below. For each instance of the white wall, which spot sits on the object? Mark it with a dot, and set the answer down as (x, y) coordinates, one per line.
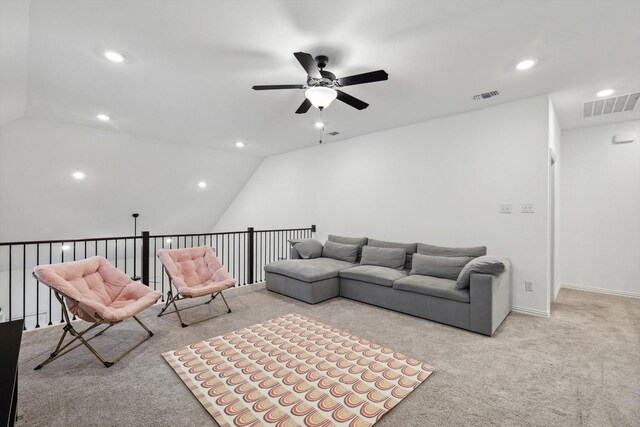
(600, 214)
(39, 199)
(438, 182)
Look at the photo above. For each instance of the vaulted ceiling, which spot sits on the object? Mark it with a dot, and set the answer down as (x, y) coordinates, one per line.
(190, 65)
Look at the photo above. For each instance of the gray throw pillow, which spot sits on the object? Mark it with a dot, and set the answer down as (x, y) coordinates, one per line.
(489, 264)
(432, 250)
(340, 251)
(410, 249)
(358, 241)
(438, 266)
(383, 257)
(307, 248)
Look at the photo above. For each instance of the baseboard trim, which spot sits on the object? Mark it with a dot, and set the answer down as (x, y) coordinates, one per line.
(600, 290)
(529, 311)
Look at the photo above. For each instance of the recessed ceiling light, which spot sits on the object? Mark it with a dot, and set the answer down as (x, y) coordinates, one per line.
(526, 64)
(319, 125)
(103, 117)
(65, 247)
(605, 92)
(78, 175)
(202, 184)
(114, 56)
(239, 144)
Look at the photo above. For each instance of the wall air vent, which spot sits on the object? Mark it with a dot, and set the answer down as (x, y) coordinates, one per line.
(486, 95)
(334, 133)
(615, 104)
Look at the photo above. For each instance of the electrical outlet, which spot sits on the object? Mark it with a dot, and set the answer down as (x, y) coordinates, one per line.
(528, 285)
(527, 208)
(505, 208)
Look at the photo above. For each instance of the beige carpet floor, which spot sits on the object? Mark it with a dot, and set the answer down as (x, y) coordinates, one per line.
(581, 366)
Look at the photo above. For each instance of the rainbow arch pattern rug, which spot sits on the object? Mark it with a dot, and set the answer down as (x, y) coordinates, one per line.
(295, 371)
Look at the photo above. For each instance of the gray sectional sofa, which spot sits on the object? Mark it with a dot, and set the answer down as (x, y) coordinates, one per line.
(461, 287)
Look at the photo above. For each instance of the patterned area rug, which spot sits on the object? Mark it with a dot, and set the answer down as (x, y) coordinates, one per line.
(293, 371)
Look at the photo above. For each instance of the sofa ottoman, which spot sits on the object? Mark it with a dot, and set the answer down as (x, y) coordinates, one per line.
(309, 280)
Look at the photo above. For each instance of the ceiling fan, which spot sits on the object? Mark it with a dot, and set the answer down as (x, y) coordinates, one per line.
(322, 86)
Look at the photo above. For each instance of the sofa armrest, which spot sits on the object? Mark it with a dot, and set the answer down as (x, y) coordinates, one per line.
(490, 301)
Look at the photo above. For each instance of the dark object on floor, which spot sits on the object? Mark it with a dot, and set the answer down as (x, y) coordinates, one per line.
(10, 337)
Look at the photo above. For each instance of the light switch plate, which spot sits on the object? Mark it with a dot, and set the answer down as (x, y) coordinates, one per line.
(528, 285)
(527, 208)
(505, 208)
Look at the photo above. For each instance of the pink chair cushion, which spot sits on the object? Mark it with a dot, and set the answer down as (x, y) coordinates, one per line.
(196, 271)
(95, 288)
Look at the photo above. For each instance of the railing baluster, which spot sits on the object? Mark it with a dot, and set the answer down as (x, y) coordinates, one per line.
(162, 272)
(264, 253)
(37, 289)
(50, 261)
(10, 282)
(24, 285)
(62, 260)
(155, 269)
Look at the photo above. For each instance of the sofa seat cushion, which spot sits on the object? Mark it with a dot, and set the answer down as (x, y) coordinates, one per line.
(308, 270)
(383, 276)
(433, 286)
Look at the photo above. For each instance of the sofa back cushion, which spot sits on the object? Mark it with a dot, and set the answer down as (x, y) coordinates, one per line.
(410, 249)
(340, 251)
(307, 248)
(358, 241)
(432, 250)
(384, 257)
(439, 266)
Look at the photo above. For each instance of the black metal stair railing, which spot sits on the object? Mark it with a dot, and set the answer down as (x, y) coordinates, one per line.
(243, 253)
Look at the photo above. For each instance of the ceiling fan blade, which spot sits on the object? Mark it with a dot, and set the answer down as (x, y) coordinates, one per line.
(309, 64)
(350, 100)
(304, 107)
(271, 87)
(358, 79)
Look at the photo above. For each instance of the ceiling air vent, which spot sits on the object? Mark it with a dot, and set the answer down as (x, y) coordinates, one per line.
(615, 104)
(486, 95)
(334, 133)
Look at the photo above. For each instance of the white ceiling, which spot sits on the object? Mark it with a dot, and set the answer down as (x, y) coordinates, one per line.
(191, 64)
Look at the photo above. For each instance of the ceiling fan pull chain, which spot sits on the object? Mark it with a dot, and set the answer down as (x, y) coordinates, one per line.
(321, 121)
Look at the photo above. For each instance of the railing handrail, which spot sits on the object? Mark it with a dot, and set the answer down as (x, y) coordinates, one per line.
(216, 233)
(91, 239)
(46, 242)
(284, 229)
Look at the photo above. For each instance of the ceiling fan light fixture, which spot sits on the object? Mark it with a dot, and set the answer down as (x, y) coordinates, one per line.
(321, 96)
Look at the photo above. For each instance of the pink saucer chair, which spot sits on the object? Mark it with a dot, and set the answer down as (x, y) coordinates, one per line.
(194, 272)
(97, 292)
